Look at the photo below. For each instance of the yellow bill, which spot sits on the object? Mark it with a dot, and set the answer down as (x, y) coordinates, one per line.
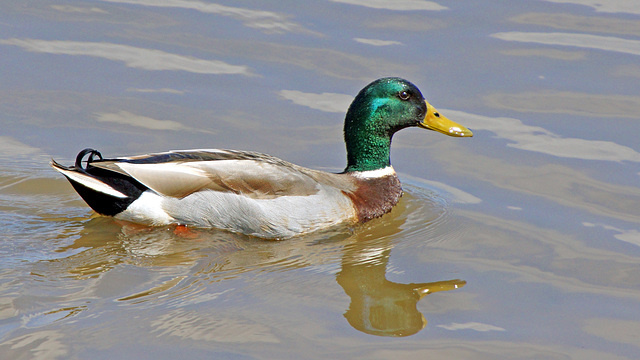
(436, 122)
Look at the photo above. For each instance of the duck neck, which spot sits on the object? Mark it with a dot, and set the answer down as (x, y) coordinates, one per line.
(368, 128)
(366, 153)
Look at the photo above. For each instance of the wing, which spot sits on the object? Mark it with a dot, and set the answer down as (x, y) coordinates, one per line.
(181, 173)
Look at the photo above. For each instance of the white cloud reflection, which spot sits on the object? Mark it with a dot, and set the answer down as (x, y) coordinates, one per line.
(567, 102)
(548, 53)
(399, 5)
(606, 43)
(376, 42)
(471, 326)
(534, 138)
(580, 24)
(78, 9)
(628, 236)
(161, 90)
(135, 57)
(11, 147)
(145, 122)
(608, 6)
(264, 20)
(127, 118)
(328, 102)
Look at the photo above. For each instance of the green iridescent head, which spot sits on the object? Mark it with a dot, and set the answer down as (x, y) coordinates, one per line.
(378, 111)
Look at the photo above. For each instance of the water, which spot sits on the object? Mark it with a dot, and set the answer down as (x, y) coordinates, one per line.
(522, 242)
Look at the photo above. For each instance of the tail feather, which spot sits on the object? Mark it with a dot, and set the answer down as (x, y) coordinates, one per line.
(105, 191)
(89, 181)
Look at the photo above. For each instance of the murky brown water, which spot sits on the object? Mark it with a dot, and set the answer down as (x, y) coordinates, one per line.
(520, 243)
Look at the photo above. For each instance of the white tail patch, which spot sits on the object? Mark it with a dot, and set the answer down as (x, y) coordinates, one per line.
(91, 183)
(147, 209)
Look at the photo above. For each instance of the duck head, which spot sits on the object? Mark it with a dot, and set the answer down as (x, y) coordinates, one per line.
(378, 111)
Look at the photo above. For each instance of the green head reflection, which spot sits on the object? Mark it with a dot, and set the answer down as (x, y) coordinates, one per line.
(379, 306)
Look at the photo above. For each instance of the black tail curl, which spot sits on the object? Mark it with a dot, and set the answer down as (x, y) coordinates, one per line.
(92, 153)
(103, 203)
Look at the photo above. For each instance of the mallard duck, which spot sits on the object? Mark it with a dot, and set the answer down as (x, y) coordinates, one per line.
(257, 194)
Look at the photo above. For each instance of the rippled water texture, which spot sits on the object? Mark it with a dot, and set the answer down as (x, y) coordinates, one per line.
(522, 242)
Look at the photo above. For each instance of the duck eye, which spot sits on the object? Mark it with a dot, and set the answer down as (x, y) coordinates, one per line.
(404, 95)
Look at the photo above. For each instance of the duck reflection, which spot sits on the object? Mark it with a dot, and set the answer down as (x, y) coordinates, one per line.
(379, 306)
(193, 259)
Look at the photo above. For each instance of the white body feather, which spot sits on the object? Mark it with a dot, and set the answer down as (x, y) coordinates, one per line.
(266, 218)
(263, 197)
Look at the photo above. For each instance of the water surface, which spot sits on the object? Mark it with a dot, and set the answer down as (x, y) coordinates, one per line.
(521, 242)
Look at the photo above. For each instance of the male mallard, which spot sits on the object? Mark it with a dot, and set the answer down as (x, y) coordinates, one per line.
(257, 194)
